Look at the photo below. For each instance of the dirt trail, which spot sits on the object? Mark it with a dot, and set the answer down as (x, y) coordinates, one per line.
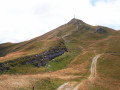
(75, 85)
(93, 71)
(93, 67)
(68, 86)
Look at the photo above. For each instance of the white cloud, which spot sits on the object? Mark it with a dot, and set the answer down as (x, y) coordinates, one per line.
(106, 13)
(24, 19)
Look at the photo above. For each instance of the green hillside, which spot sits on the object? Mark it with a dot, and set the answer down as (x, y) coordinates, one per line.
(66, 51)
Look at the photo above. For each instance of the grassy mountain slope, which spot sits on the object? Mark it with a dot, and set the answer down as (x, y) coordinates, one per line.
(82, 41)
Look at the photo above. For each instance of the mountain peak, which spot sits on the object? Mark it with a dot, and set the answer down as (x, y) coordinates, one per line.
(75, 21)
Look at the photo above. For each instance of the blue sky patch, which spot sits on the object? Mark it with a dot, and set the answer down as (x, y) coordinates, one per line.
(93, 2)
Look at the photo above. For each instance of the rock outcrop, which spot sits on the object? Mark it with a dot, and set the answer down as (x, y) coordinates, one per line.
(101, 30)
(36, 60)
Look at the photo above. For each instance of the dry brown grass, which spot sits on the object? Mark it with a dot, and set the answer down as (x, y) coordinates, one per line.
(70, 71)
(13, 82)
(110, 84)
(79, 68)
(83, 85)
(12, 56)
(100, 84)
(107, 75)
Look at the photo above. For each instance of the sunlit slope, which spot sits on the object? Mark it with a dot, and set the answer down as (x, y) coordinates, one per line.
(107, 45)
(76, 35)
(108, 65)
(38, 44)
(82, 42)
(74, 29)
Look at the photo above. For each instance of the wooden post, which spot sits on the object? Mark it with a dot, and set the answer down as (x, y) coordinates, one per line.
(33, 88)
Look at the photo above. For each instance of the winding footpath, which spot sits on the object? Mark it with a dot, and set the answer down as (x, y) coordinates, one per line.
(93, 67)
(75, 85)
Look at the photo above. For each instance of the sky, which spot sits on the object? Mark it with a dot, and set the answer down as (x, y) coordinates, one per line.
(22, 20)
